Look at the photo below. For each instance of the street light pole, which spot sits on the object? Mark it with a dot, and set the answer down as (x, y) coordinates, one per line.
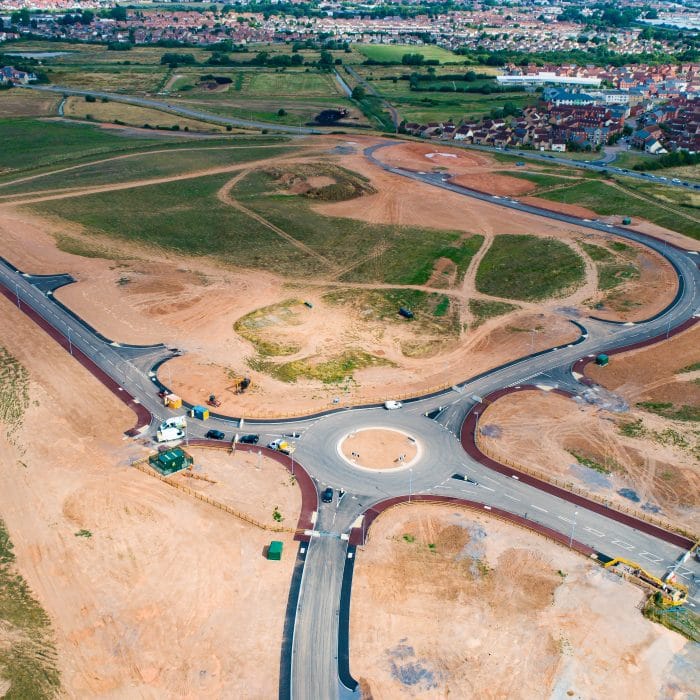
(70, 343)
(573, 529)
(19, 304)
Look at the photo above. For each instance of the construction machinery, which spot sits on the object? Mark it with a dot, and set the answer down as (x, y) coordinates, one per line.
(213, 401)
(283, 446)
(240, 383)
(669, 594)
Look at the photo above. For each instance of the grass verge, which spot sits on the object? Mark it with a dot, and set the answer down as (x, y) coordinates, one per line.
(529, 268)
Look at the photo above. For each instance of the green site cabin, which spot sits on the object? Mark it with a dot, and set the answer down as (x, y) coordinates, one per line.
(170, 461)
(602, 360)
(274, 551)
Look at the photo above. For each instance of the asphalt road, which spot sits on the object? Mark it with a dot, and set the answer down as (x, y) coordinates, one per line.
(315, 646)
(178, 109)
(601, 165)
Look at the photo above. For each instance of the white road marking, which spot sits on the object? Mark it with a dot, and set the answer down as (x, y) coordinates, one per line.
(597, 533)
(512, 498)
(488, 488)
(512, 476)
(538, 508)
(566, 520)
(625, 545)
(650, 557)
(680, 571)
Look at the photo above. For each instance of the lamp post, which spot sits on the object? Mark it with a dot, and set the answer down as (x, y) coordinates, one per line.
(70, 343)
(19, 304)
(573, 529)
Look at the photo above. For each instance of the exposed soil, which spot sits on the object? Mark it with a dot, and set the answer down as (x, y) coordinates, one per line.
(379, 449)
(494, 183)
(552, 435)
(448, 604)
(155, 601)
(573, 209)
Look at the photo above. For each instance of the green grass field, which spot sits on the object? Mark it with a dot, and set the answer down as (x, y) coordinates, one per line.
(188, 217)
(609, 201)
(394, 52)
(529, 268)
(173, 161)
(29, 143)
(482, 310)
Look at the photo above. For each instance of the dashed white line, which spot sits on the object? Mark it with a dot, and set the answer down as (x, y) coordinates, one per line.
(512, 498)
(625, 545)
(566, 520)
(539, 508)
(488, 488)
(595, 532)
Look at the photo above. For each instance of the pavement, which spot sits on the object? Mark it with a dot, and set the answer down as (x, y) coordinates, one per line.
(444, 470)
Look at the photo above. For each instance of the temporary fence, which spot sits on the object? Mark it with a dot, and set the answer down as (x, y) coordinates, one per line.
(568, 486)
(142, 465)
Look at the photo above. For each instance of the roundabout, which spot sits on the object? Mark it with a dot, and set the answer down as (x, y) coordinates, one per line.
(380, 449)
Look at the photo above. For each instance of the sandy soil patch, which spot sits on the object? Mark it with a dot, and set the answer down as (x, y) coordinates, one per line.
(550, 434)
(247, 482)
(449, 604)
(494, 183)
(379, 449)
(640, 298)
(169, 596)
(196, 375)
(419, 156)
(573, 209)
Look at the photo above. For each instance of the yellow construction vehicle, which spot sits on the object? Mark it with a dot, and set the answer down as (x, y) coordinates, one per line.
(669, 594)
(240, 383)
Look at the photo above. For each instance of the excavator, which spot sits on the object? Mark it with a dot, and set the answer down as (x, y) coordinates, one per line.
(669, 594)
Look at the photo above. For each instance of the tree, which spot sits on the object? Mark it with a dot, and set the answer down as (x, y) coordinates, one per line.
(281, 112)
(87, 17)
(118, 13)
(358, 93)
(412, 59)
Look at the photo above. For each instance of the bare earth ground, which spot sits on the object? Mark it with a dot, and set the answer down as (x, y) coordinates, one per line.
(540, 431)
(379, 449)
(245, 481)
(155, 602)
(448, 604)
(140, 295)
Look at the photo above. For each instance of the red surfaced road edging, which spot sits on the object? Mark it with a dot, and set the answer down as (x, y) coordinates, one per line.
(143, 415)
(467, 438)
(309, 497)
(359, 535)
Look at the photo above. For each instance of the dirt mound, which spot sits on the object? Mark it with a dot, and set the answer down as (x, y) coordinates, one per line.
(418, 156)
(322, 181)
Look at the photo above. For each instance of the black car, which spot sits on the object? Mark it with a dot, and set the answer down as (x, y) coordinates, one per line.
(215, 434)
(249, 439)
(327, 495)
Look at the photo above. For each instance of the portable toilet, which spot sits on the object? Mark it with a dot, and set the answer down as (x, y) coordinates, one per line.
(173, 401)
(274, 551)
(602, 360)
(200, 412)
(627, 221)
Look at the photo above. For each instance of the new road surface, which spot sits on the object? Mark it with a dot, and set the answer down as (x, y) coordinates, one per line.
(319, 600)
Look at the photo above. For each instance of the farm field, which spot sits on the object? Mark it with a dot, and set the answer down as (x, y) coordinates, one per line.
(25, 103)
(394, 52)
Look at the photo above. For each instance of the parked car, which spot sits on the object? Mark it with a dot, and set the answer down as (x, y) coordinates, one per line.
(294, 435)
(327, 495)
(215, 435)
(392, 405)
(249, 439)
